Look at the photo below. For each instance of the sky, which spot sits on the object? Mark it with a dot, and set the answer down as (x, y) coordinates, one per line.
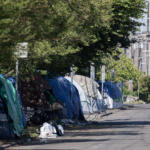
(143, 28)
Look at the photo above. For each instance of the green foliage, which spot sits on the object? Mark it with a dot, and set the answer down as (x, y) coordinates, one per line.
(126, 91)
(124, 69)
(122, 66)
(62, 33)
(145, 89)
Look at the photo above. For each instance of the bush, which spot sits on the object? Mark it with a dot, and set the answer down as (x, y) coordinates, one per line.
(126, 91)
(145, 89)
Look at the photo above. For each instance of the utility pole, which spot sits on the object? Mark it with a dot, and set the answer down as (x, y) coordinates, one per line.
(148, 16)
(147, 47)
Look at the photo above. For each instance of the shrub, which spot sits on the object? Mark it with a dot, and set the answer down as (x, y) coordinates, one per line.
(145, 89)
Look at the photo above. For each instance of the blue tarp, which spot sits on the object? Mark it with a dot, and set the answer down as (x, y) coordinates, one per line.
(67, 93)
(111, 89)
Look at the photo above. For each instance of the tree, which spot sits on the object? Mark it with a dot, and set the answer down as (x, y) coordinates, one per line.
(123, 68)
(66, 32)
(144, 89)
(123, 22)
(57, 40)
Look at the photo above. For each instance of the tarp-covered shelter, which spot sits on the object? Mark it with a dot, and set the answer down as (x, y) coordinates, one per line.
(85, 102)
(13, 106)
(112, 92)
(13, 81)
(90, 88)
(67, 93)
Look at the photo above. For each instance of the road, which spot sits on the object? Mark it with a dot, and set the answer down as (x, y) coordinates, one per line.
(127, 129)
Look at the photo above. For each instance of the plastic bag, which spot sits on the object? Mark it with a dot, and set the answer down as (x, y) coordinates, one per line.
(60, 131)
(48, 131)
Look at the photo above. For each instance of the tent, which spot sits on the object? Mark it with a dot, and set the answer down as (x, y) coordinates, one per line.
(90, 88)
(67, 93)
(85, 102)
(112, 93)
(13, 107)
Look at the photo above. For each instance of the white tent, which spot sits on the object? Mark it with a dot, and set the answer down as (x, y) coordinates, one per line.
(90, 87)
(92, 96)
(112, 104)
(85, 102)
(108, 101)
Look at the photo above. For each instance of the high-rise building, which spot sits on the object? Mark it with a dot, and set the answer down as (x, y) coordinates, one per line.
(139, 52)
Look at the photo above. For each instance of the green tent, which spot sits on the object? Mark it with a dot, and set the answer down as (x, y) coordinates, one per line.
(8, 94)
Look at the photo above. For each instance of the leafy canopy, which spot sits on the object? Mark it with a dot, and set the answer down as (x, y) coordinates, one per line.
(123, 68)
(62, 33)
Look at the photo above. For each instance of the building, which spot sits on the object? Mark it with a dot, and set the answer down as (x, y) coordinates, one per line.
(139, 52)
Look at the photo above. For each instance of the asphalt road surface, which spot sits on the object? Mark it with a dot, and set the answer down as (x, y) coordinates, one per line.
(128, 129)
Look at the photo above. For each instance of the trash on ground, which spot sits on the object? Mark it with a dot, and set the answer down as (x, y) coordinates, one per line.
(60, 130)
(48, 131)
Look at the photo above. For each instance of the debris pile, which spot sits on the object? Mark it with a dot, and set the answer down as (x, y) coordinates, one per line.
(51, 130)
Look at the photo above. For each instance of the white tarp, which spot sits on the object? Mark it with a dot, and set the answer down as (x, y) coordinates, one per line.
(108, 102)
(91, 99)
(112, 104)
(85, 102)
(90, 87)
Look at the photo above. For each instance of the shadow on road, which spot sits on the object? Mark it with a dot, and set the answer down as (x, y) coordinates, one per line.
(105, 133)
(91, 133)
(120, 123)
(109, 124)
(135, 107)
